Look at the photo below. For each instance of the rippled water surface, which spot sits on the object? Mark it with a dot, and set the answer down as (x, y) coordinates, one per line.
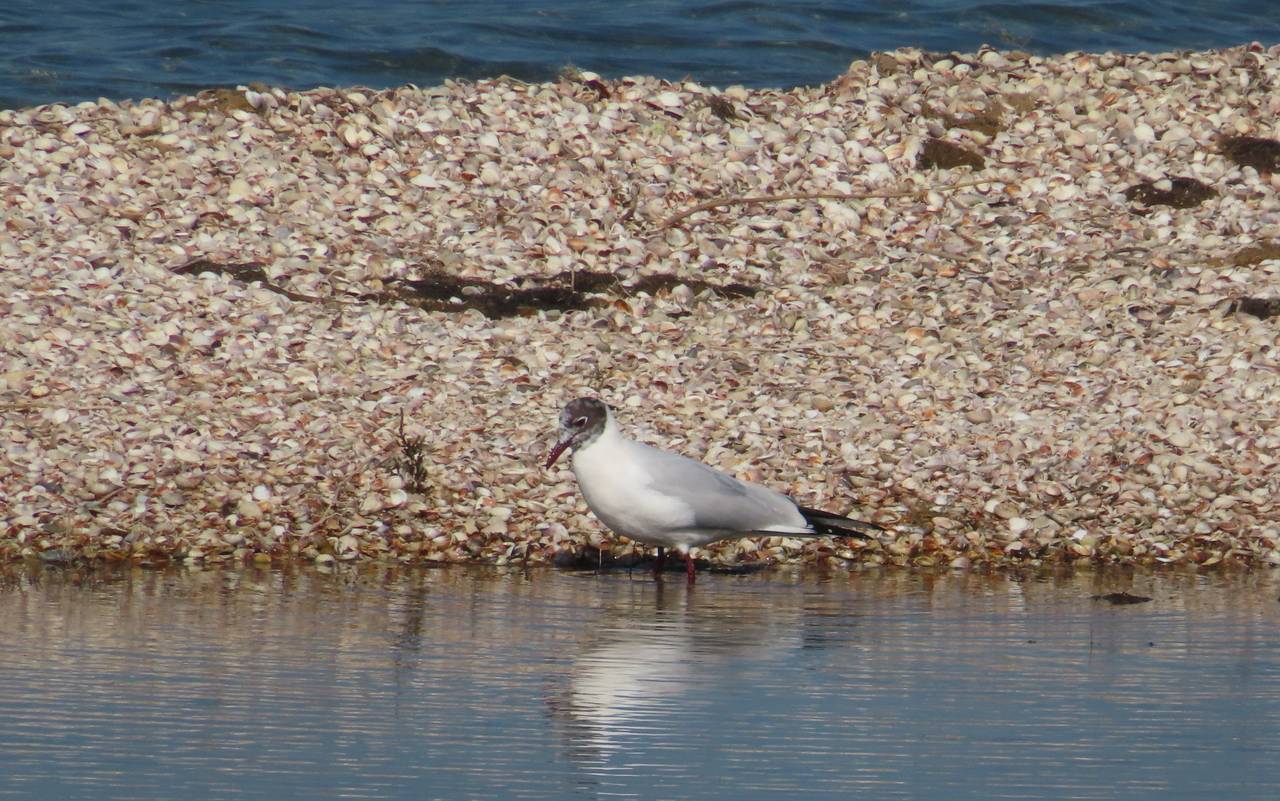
(470, 683)
(75, 50)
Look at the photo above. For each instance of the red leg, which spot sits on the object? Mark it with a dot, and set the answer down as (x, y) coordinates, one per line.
(688, 568)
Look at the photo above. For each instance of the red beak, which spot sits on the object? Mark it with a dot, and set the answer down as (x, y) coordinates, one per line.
(560, 448)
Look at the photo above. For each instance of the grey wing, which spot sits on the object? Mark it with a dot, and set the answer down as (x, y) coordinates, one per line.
(722, 502)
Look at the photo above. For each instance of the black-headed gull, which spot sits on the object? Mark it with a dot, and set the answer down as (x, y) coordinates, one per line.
(664, 499)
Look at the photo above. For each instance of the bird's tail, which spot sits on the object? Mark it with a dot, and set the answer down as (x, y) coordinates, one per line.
(826, 524)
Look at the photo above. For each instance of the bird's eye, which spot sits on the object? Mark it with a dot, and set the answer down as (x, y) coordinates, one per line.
(580, 422)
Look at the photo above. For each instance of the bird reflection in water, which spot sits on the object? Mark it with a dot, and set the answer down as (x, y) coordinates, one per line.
(651, 666)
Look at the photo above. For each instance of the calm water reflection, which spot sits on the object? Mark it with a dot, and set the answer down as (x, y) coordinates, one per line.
(452, 684)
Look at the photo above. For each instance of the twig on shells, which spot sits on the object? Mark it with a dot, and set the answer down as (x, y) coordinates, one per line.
(411, 463)
(744, 200)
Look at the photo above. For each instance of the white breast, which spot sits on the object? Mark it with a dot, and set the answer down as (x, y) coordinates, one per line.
(618, 489)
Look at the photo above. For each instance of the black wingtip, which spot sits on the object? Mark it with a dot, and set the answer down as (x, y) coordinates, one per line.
(833, 525)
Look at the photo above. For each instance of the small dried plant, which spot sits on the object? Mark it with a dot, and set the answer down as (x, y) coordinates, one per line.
(411, 463)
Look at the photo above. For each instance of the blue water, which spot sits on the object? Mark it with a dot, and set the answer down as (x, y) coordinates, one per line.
(390, 683)
(73, 50)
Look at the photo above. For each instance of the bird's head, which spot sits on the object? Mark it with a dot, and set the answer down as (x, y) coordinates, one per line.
(581, 421)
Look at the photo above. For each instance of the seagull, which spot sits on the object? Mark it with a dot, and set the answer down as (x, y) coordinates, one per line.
(661, 498)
